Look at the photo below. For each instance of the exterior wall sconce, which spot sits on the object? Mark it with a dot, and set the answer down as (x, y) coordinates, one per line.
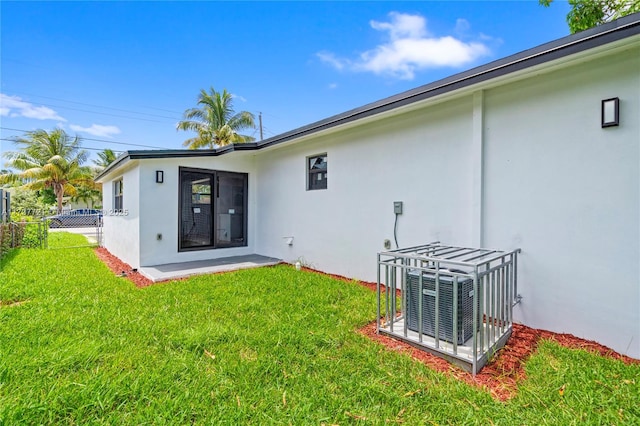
(159, 176)
(611, 112)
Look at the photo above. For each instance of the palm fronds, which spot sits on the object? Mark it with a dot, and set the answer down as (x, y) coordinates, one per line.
(216, 122)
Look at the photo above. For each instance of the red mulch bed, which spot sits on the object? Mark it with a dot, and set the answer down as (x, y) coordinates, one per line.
(122, 269)
(500, 377)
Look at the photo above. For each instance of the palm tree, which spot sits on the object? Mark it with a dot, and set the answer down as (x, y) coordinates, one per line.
(88, 193)
(216, 123)
(105, 157)
(49, 160)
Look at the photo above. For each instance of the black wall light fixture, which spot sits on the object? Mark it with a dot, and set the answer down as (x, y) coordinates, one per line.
(611, 112)
(159, 176)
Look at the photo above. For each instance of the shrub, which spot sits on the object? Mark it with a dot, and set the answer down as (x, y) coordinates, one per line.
(22, 234)
(32, 234)
(26, 205)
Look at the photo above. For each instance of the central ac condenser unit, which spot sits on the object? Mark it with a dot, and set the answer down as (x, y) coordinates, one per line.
(464, 317)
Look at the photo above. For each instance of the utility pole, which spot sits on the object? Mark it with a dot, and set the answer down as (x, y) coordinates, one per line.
(260, 118)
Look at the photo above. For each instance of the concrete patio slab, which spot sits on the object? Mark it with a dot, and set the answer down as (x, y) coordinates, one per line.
(171, 271)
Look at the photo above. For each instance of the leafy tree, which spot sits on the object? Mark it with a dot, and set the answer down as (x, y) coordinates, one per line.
(49, 160)
(26, 203)
(105, 157)
(88, 193)
(215, 121)
(585, 14)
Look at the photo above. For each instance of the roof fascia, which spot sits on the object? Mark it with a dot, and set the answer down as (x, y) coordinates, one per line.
(556, 50)
(562, 48)
(173, 153)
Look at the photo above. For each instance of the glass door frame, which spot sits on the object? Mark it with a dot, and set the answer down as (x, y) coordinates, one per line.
(214, 175)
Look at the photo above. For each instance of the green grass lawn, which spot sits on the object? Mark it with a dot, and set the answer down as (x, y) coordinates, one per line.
(260, 346)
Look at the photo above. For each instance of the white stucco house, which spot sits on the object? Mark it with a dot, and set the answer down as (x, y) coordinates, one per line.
(539, 151)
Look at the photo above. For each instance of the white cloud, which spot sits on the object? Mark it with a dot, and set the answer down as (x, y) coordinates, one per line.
(14, 106)
(331, 59)
(402, 26)
(410, 48)
(404, 57)
(333, 86)
(97, 130)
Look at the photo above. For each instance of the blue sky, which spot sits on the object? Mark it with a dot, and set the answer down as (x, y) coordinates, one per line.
(120, 74)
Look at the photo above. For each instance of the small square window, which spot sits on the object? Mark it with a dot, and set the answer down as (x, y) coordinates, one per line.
(117, 194)
(317, 172)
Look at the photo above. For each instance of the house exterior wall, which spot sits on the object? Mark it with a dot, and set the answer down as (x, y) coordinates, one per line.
(160, 201)
(422, 158)
(521, 164)
(121, 232)
(551, 182)
(567, 192)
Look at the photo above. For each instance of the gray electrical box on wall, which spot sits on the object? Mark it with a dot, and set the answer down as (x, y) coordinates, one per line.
(397, 207)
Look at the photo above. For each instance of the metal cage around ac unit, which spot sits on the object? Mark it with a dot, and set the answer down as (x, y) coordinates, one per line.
(455, 302)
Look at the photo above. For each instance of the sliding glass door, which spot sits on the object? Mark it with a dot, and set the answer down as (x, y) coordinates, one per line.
(213, 209)
(230, 209)
(195, 209)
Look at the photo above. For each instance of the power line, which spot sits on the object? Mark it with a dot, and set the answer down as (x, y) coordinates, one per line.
(269, 132)
(116, 109)
(92, 139)
(123, 110)
(173, 119)
(84, 147)
(106, 113)
(105, 107)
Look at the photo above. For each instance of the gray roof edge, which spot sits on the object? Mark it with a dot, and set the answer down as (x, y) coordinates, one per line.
(174, 153)
(607, 33)
(119, 160)
(574, 43)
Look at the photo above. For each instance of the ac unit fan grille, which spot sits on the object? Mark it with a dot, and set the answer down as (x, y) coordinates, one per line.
(464, 318)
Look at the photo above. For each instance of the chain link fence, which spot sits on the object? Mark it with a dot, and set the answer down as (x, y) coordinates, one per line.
(31, 229)
(85, 222)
